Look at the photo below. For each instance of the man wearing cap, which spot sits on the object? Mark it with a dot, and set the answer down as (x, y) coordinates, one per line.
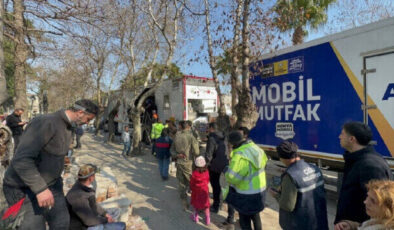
(85, 213)
(246, 177)
(35, 170)
(302, 198)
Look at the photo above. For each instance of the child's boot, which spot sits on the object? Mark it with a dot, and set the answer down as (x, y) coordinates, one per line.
(207, 216)
(194, 216)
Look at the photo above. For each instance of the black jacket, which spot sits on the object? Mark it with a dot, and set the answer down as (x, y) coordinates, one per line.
(216, 152)
(360, 167)
(39, 159)
(84, 211)
(12, 122)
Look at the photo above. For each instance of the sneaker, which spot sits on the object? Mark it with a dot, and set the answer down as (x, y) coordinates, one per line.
(194, 217)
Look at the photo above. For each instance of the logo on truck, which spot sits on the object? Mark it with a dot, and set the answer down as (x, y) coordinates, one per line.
(281, 67)
(296, 64)
(284, 130)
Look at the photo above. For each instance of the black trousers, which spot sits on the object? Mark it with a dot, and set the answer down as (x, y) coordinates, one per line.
(214, 180)
(245, 221)
(16, 141)
(78, 140)
(35, 217)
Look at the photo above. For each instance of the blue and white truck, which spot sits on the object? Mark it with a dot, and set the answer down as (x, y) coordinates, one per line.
(307, 92)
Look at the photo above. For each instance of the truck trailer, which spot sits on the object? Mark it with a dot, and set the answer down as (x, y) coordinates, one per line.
(307, 92)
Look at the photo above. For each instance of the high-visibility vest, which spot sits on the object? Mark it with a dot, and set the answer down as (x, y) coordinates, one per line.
(156, 130)
(246, 172)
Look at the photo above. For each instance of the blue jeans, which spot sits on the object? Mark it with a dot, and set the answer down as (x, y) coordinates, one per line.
(163, 167)
(126, 148)
(114, 213)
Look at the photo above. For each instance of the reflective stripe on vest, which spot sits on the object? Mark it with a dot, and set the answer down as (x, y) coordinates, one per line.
(249, 152)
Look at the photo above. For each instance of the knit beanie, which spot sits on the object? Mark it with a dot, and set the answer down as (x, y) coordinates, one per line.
(287, 150)
(200, 161)
(235, 137)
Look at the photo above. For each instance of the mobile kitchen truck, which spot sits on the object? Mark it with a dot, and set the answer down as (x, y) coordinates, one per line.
(307, 92)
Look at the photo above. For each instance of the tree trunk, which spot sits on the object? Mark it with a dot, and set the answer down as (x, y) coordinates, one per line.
(137, 132)
(111, 122)
(246, 110)
(235, 72)
(223, 120)
(298, 36)
(3, 82)
(21, 53)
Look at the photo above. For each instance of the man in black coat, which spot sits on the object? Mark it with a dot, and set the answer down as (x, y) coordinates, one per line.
(16, 124)
(216, 154)
(362, 164)
(35, 170)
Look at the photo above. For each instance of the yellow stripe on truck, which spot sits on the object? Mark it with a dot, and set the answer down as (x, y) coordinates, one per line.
(381, 123)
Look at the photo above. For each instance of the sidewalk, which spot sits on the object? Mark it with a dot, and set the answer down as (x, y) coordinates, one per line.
(155, 201)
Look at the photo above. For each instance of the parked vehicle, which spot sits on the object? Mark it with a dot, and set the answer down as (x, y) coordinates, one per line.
(307, 92)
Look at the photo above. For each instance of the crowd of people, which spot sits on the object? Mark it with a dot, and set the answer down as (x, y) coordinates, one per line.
(232, 164)
(366, 197)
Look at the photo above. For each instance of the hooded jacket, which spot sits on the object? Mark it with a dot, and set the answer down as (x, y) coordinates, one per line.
(216, 152)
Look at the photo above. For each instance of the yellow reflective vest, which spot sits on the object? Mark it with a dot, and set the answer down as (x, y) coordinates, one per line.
(246, 172)
(156, 130)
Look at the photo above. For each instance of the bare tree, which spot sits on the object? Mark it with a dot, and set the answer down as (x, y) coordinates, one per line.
(223, 119)
(166, 17)
(3, 82)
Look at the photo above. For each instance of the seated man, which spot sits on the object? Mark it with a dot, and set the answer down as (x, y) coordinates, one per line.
(85, 213)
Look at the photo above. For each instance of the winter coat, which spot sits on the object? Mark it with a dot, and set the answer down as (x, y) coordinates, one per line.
(360, 167)
(12, 122)
(199, 186)
(39, 158)
(216, 152)
(84, 211)
(162, 147)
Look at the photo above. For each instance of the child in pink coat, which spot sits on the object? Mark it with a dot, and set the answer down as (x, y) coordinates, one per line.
(199, 187)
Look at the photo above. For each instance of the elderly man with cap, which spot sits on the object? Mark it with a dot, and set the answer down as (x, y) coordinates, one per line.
(85, 213)
(302, 199)
(36, 168)
(247, 180)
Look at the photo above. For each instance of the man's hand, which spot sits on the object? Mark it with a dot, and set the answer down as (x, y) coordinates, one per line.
(342, 226)
(181, 156)
(109, 218)
(45, 199)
